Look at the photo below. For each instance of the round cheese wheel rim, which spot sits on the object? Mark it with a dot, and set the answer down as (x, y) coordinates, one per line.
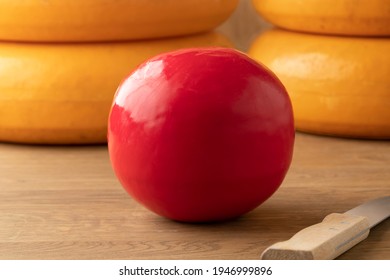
(338, 17)
(62, 93)
(338, 85)
(107, 20)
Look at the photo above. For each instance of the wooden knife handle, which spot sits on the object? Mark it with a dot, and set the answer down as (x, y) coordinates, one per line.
(336, 234)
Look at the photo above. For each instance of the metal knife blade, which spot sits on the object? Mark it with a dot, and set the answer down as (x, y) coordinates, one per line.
(376, 210)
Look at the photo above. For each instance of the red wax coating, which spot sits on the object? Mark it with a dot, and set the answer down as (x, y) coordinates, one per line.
(201, 135)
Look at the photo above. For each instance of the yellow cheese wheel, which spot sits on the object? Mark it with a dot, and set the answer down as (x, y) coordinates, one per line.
(62, 93)
(338, 85)
(343, 17)
(97, 20)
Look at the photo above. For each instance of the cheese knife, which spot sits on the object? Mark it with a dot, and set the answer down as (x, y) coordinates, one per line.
(336, 234)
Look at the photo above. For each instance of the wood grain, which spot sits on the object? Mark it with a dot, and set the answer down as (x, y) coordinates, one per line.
(336, 234)
(65, 203)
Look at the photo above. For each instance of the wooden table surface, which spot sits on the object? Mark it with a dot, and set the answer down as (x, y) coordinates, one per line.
(65, 203)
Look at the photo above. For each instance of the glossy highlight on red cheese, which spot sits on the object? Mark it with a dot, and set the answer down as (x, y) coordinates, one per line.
(201, 135)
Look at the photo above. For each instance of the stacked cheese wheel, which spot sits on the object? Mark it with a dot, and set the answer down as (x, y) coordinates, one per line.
(334, 62)
(62, 60)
